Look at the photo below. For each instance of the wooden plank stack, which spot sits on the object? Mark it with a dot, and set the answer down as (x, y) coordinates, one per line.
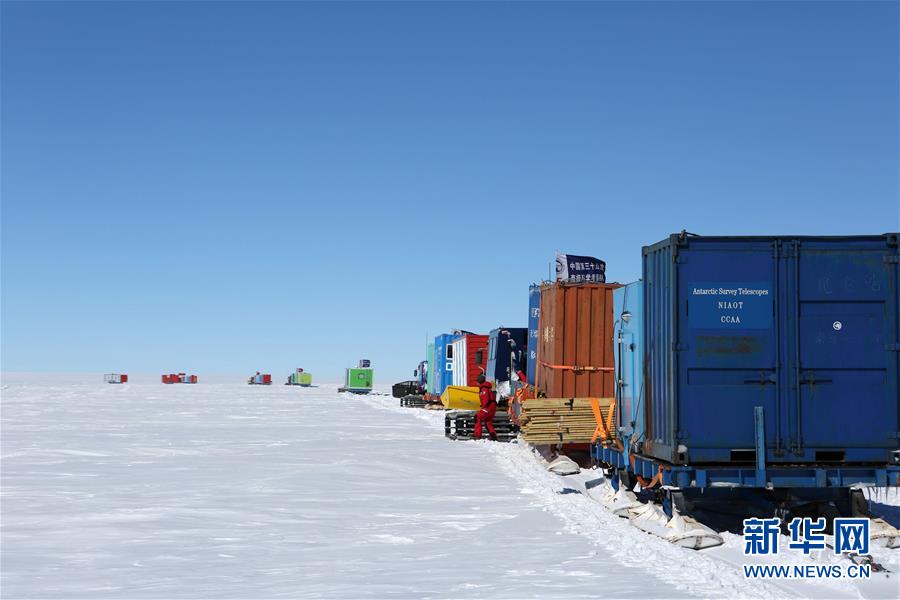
(562, 420)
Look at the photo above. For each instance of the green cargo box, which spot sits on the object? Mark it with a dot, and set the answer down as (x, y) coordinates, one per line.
(304, 379)
(429, 383)
(359, 381)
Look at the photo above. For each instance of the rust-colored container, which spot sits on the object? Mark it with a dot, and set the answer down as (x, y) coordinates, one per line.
(575, 348)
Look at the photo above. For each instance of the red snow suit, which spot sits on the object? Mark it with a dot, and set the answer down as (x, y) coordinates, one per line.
(487, 412)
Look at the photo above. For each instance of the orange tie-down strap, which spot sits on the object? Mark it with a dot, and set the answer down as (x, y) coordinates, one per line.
(578, 368)
(604, 429)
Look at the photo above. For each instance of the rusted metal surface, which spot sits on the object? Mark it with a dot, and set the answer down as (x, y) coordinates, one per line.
(575, 349)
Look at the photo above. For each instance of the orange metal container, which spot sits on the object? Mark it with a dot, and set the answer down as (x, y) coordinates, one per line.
(575, 347)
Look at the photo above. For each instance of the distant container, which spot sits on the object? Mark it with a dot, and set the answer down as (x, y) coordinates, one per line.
(260, 379)
(443, 363)
(115, 378)
(469, 358)
(429, 384)
(575, 350)
(534, 312)
(804, 327)
(359, 380)
(179, 378)
(507, 352)
(301, 378)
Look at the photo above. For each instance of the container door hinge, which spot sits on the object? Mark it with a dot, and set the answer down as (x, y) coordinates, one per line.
(676, 346)
(892, 259)
(892, 347)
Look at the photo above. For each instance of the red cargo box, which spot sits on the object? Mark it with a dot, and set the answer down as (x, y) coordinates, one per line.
(267, 379)
(469, 358)
(476, 357)
(124, 378)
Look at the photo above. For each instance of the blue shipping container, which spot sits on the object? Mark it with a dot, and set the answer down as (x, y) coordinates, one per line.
(804, 327)
(503, 356)
(534, 313)
(628, 318)
(443, 363)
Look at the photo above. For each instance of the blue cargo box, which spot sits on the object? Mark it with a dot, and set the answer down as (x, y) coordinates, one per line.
(805, 328)
(443, 363)
(628, 350)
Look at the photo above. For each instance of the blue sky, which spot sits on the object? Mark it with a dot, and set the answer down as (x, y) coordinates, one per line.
(232, 187)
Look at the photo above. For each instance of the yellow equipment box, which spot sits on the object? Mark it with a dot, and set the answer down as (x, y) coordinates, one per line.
(457, 397)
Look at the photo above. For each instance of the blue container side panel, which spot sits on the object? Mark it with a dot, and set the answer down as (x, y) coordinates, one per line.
(847, 313)
(726, 327)
(438, 365)
(443, 367)
(806, 328)
(534, 311)
(658, 341)
(628, 316)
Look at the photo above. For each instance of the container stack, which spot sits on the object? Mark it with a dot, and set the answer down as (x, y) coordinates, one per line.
(115, 378)
(565, 420)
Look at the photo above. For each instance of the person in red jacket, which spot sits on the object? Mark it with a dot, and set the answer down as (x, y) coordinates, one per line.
(488, 408)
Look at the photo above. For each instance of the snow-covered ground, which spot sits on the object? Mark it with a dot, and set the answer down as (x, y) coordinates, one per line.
(228, 490)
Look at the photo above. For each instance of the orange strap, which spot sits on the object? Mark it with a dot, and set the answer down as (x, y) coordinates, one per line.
(601, 426)
(577, 368)
(610, 415)
(603, 429)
